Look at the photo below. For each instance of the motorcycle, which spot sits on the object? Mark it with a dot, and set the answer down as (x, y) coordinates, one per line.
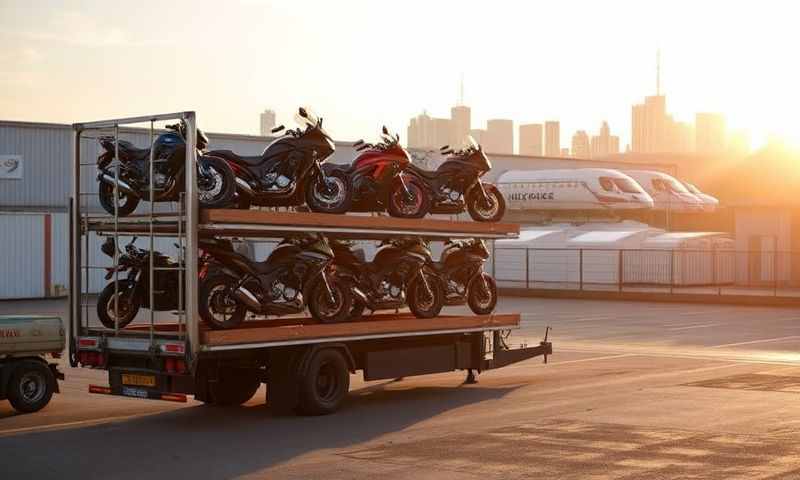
(456, 185)
(297, 274)
(120, 300)
(289, 171)
(121, 196)
(399, 275)
(461, 270)
(376, 180)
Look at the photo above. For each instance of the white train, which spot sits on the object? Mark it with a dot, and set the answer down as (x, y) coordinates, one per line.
(710, 203)
(579, 190)
(667, 192)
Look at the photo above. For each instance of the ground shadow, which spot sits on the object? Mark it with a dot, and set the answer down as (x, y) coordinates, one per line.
(212, 442)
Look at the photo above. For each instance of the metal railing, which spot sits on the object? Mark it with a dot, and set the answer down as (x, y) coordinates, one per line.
(83, 242)
(695, 271)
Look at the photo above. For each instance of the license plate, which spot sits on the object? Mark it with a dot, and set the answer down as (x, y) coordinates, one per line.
(140, 380)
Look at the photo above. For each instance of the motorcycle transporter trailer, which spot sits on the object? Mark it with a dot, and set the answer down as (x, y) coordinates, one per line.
(306, 366)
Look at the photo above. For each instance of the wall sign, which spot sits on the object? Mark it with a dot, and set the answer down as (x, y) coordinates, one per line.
(11, 167)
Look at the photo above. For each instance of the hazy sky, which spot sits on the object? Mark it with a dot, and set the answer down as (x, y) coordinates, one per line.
(362, 64)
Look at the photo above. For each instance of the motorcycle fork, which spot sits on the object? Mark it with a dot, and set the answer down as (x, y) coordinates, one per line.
(327, 286)
(483, 191)
(404, 184)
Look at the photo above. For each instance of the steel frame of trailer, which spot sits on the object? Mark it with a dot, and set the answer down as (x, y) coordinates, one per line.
(136, 351)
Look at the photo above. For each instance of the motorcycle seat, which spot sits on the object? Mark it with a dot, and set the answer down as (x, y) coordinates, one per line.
(236, 158)
(128, 149)
(425, 173)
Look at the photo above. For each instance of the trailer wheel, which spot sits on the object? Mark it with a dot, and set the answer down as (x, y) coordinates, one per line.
(324, 386)
(31, 386)
(233, 388)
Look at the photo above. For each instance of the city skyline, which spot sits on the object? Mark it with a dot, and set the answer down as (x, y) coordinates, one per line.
(708, 65)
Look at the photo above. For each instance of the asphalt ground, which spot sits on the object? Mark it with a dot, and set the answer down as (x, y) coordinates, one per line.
(633, 391)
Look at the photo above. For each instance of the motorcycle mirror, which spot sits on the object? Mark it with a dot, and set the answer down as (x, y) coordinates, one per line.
(397, 137)
(358, 143)
(444, 148)
(302, 112)
(133, 240)
(277, 129)
(385, 130)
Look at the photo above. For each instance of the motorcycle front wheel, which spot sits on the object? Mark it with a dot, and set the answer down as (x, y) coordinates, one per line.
(482, 294)
(217, 307)
(126, 308)
(409, 201)
(482, 211)
(330, 308)
(124, 203)
(422, 302)
(217, 187)
(331, 194)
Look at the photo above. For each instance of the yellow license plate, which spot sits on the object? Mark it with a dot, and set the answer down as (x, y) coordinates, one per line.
(139, 380)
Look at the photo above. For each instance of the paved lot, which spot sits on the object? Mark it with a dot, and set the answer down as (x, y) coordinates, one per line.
(635, 391)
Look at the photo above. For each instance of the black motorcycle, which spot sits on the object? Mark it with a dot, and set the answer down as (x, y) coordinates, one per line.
(456, 185)
(461, 269)
(120, 300)
(399, 275)
(289, 171)
(297, 274)
(215, 180)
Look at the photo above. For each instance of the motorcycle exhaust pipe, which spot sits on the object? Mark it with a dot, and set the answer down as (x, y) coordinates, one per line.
(248, 298)
(123, 186)
(245, 187)
(361, 295)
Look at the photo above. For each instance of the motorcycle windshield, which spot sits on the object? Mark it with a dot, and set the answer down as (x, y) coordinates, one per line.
(305, 117)
(469, 143)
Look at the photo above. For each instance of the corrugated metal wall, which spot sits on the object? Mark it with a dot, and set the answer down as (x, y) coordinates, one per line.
(22, 247)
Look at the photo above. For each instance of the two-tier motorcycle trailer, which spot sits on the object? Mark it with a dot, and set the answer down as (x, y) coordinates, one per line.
(306, 366)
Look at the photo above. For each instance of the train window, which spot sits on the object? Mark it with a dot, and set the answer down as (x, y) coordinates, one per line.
(607, 184)
(627, 185)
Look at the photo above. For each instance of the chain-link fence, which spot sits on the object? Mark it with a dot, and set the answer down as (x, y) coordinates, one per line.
(717, 272)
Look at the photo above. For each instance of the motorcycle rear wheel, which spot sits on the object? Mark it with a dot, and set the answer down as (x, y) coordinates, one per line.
(216, 306)
(128, 304)
(125, 203)
(218, 190)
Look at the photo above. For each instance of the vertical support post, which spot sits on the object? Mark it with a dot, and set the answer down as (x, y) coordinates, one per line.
(527, 268)
(775, 270)
(494, 261)
(580, 269)
(192, 211)
(116, 229)
(619, 272)
(151, 267)
(671, 270)
(75, 245)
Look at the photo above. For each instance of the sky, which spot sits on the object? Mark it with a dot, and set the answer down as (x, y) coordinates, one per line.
(363, 64)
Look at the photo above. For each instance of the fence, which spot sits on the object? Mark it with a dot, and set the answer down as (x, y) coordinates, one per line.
(710, 271)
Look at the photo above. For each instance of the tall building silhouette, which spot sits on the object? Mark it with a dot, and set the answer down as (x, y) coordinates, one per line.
(428, 133)
(709, 132)
(531, 139)
(580, 145)
(267, 123)
(552, 139)
(604, 144)
(499, 137)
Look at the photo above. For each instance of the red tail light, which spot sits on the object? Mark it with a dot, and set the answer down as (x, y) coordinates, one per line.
(92, 359)
(99, 389)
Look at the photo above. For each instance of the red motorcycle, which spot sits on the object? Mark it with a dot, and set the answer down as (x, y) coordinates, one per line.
(377, 181)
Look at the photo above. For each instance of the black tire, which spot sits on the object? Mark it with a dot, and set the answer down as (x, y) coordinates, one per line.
(126, 205)
(31, 386)
(420, 302)
(335, 196)
(323, 309)
(233, 388)
(400, 205)
(325, 385)
(127, 306)
(219, 191)
(479, 300)
(217, 307)
(478, 209)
